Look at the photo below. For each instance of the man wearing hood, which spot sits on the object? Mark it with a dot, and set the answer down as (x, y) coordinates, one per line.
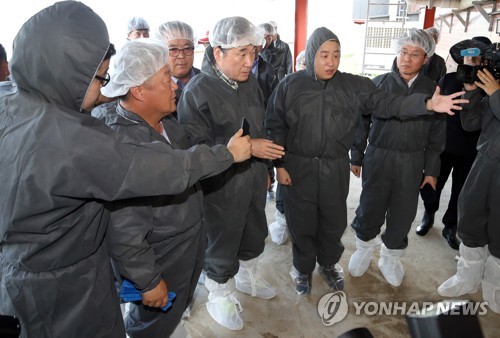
(211, 105)
(58, 165)
(314, 114)
(398, 154)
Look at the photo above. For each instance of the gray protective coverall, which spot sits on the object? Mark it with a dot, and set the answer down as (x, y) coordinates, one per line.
(479, 201)
(315, 121)
(57, 167)
(171, 224)
(211, 111)
(398, 154)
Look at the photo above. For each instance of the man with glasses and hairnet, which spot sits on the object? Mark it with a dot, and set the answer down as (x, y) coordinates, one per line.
(399, 153)
(211, 105)
(171, 225)
(179, 38)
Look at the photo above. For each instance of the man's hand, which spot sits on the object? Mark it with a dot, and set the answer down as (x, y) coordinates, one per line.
(266, 149)
(240, 147)
(356, 170)
(283, 176)
(157, 297)
(431, 180)
(445, 103)
(488, 82)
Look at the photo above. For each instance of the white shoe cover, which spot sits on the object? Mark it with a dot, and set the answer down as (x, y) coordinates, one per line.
(278, 230)
(390, 265)
(491, 283)
(470, 268)
(360, 259)
(223, 306)
(249, 282)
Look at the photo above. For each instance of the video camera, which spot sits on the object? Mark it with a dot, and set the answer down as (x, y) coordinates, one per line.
(490, 61)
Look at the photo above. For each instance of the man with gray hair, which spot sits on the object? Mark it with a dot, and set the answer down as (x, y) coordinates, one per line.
(179, 38)
(399, 153)
(137, 28)
(211, 105)
(161, 237)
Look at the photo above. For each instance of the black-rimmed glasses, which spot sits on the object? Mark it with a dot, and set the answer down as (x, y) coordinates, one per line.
(104, 80)
(174, 51)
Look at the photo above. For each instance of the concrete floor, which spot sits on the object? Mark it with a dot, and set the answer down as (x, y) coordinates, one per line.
(428, 262)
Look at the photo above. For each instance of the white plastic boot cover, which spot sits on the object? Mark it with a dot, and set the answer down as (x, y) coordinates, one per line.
(248, 281)
(390, 265)
(278, 229)
(470, 268)
(360, 259)
(491, 283)
(223, 306)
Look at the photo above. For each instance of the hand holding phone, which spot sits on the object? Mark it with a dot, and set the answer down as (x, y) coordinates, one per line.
(245, 126)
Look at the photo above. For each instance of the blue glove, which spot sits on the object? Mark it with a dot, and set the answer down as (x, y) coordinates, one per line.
(129, 293)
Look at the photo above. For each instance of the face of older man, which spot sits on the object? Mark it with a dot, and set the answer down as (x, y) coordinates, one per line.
(410, 60)
(181, 57)
(236, 63)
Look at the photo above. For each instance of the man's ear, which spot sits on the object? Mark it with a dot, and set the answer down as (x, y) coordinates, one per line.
(218, 53)
(426, 61)
(137, 93)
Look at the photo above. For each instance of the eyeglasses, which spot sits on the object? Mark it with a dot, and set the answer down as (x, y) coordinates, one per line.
(104, 80)
(413, 56)
(188, 51)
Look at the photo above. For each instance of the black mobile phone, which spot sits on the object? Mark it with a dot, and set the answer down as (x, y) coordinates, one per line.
(245, 126)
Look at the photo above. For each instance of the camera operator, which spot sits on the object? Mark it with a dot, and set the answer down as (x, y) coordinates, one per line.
(460, 150)
(478, 225)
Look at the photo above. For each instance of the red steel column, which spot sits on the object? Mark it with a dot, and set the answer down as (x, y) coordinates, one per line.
(300, 27)
(429, 17)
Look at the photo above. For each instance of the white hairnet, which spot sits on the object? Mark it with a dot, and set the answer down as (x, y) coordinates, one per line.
(417, 38)
(433, 31)
(267, 28)
(137, 23)
(234, 32)
(137, 61)
(173, 30)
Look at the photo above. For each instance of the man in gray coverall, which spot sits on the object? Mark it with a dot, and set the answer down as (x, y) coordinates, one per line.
(59, 164)
(172, 224)
(314, 114)
(398, 154)
(211, 105)
(479, 214)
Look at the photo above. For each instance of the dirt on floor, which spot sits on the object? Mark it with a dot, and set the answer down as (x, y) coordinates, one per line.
(428, 262)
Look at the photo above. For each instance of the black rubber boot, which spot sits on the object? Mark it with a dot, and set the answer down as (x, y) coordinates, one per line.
(426, 225)
(449, 233)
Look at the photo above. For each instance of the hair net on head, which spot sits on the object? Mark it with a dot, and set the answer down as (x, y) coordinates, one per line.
(417, 38)
(234, 32)
(173, 30)
(267, 28)
(433, 31)
(137, 23)
(137, 61)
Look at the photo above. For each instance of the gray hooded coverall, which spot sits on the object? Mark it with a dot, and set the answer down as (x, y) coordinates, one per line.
(57, 167)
